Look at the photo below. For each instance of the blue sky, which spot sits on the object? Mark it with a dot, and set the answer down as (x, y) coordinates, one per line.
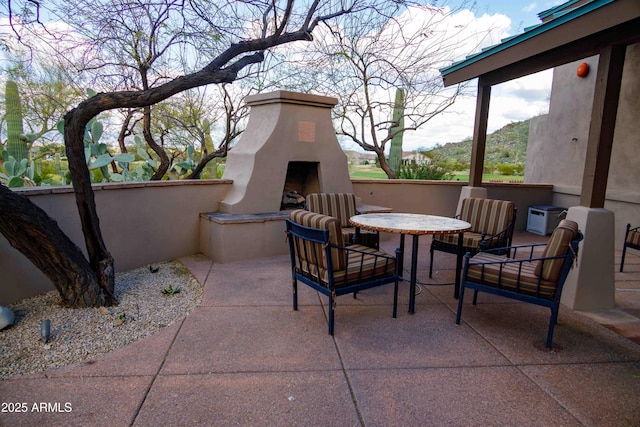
(511, 101)
(523, 13)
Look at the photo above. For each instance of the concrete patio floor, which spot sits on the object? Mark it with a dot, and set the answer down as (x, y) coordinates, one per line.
(244, 357)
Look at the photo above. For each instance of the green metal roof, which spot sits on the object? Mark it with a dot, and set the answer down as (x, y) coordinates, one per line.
(561, 15)
(550, 12)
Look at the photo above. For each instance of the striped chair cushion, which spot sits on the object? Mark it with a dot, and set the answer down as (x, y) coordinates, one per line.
(559, 244)
(633, 238)
(337, 205)
(487, 215)
(469, 240)
(316, 250)
(514, 276)
(367, 237)
(361, 266)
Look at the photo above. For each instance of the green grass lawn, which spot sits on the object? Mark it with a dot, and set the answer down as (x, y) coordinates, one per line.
(366, 172)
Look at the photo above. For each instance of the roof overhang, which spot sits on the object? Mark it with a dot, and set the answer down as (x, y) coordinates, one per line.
(572, 35)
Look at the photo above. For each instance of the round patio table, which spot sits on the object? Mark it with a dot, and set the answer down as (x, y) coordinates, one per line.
(415, 225)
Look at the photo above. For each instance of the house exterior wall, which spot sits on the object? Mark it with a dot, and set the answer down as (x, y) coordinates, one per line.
(557, 146)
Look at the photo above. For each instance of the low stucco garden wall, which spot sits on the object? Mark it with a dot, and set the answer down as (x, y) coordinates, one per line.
(141, 223)
(441, 197)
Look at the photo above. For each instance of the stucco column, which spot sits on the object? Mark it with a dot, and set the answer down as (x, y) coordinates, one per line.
(590, 284)
(470, 191)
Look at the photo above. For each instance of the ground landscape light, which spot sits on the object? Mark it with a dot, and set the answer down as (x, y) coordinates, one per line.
(45, 330)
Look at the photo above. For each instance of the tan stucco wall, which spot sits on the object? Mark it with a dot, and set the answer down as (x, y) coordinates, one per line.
(167, 222)
(441, 197)
(141, 223)
(558, 141)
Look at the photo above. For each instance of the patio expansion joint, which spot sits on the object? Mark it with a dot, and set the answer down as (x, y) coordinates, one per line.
(554, 396)
(343, 367)
(161, 365)
(347, 378)
(155, 375)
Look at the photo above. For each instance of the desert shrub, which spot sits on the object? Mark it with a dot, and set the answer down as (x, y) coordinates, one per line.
(430, 171)
(506, 169)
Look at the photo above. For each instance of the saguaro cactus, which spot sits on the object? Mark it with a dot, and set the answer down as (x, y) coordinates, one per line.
(16, 140)
(211, 169)
(395, 151)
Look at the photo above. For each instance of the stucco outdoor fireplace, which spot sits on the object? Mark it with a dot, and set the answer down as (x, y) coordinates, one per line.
(288, 150)
(289, 140)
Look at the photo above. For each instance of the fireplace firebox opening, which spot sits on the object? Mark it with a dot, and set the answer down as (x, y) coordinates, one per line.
(302, 179)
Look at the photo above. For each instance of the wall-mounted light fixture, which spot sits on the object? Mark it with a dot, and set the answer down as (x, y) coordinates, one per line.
(583, 70)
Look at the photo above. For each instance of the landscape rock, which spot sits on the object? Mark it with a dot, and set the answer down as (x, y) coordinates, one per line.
(6, 317)
(84, 333)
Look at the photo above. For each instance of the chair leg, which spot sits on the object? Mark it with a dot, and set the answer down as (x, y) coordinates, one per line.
(295, 294)
(460, 299)
(395, 299)
(624, 246)
(475, 296)
(552, 323)
(431, 262)
(624, 252)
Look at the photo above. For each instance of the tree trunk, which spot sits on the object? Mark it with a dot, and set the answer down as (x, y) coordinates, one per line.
(124, 130)
(100, 259)
(31, 231)
(384, 165)
(165, 162)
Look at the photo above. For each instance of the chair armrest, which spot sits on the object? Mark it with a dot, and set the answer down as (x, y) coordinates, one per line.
(516, 248)
(354, 253)
(378, 254)
(514, 276)
(469, 262)
(363, 263)
(502, 236)
(509, 269)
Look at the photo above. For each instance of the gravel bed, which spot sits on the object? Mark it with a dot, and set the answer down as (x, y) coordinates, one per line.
(80, 334)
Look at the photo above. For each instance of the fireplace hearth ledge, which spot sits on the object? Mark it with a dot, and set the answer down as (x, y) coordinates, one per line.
(228, 237)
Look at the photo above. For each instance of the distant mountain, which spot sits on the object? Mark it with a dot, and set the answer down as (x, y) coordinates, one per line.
(504, 146)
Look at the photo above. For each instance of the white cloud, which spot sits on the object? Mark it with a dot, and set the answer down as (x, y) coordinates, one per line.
(531, 7)
(511, 101)
(55, 43)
